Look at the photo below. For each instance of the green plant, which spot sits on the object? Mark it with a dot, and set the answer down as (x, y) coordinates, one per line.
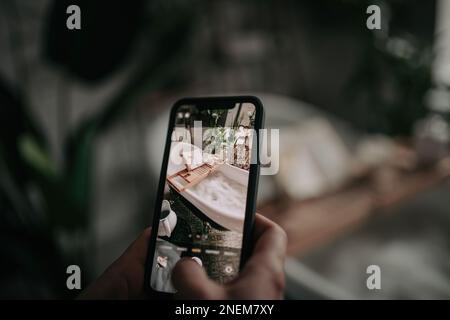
(387, 92)
(32, 184)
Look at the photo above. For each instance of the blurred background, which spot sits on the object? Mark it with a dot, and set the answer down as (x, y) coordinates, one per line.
(364, 119)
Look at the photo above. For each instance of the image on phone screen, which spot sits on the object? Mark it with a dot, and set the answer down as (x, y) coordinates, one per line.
(205, 192)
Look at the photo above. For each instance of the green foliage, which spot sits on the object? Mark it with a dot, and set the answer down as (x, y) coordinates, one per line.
(387, 92)
(62, 194)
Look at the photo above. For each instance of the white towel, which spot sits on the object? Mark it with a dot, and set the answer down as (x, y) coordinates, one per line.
(192, 158)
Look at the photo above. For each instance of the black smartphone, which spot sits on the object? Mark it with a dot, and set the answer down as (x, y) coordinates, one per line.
(206, 198)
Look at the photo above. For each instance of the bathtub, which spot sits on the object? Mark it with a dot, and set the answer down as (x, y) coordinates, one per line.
(229, 217)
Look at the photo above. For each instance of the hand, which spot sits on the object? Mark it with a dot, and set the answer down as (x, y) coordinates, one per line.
(261, 278)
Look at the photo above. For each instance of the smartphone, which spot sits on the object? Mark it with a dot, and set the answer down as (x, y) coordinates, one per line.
(206, 198)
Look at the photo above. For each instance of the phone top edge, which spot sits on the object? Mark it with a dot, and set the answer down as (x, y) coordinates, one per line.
(217, 99)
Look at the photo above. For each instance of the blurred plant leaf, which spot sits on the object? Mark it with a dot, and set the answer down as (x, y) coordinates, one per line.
(79, 146)
(25, 161)
(16, 121)
(392, 83)
(36, 157)
(161, 66)
(94, 52)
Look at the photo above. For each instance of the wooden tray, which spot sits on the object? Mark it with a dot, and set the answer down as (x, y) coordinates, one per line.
(185, 178)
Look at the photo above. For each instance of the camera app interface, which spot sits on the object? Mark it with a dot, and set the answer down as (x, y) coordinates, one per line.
(205, 192)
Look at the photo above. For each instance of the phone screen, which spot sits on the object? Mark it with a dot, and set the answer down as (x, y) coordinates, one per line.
(205, 191)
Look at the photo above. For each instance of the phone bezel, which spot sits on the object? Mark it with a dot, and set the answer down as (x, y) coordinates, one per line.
(252, 191)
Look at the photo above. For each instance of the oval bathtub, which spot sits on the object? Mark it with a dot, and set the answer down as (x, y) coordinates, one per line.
(221, 196)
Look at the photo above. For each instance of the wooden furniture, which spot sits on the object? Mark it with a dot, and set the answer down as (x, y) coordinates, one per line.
(312, 223)
(185, 178)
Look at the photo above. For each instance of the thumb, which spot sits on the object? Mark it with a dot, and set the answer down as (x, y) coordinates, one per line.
(192, 282)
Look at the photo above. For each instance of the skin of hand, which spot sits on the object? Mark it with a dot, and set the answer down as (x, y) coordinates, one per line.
(261, 278)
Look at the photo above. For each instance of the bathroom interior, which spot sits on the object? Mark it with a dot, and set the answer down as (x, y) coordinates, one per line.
(205, 192)
(363, 118)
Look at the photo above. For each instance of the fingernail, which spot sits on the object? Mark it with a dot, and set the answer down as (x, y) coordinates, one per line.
(200, 263)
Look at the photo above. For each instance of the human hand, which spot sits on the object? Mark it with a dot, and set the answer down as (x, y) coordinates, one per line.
(261, 278)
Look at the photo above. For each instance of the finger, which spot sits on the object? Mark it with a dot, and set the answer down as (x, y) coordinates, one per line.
(270, 238)
(191, 282)
(264, 271)
(262, 224)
